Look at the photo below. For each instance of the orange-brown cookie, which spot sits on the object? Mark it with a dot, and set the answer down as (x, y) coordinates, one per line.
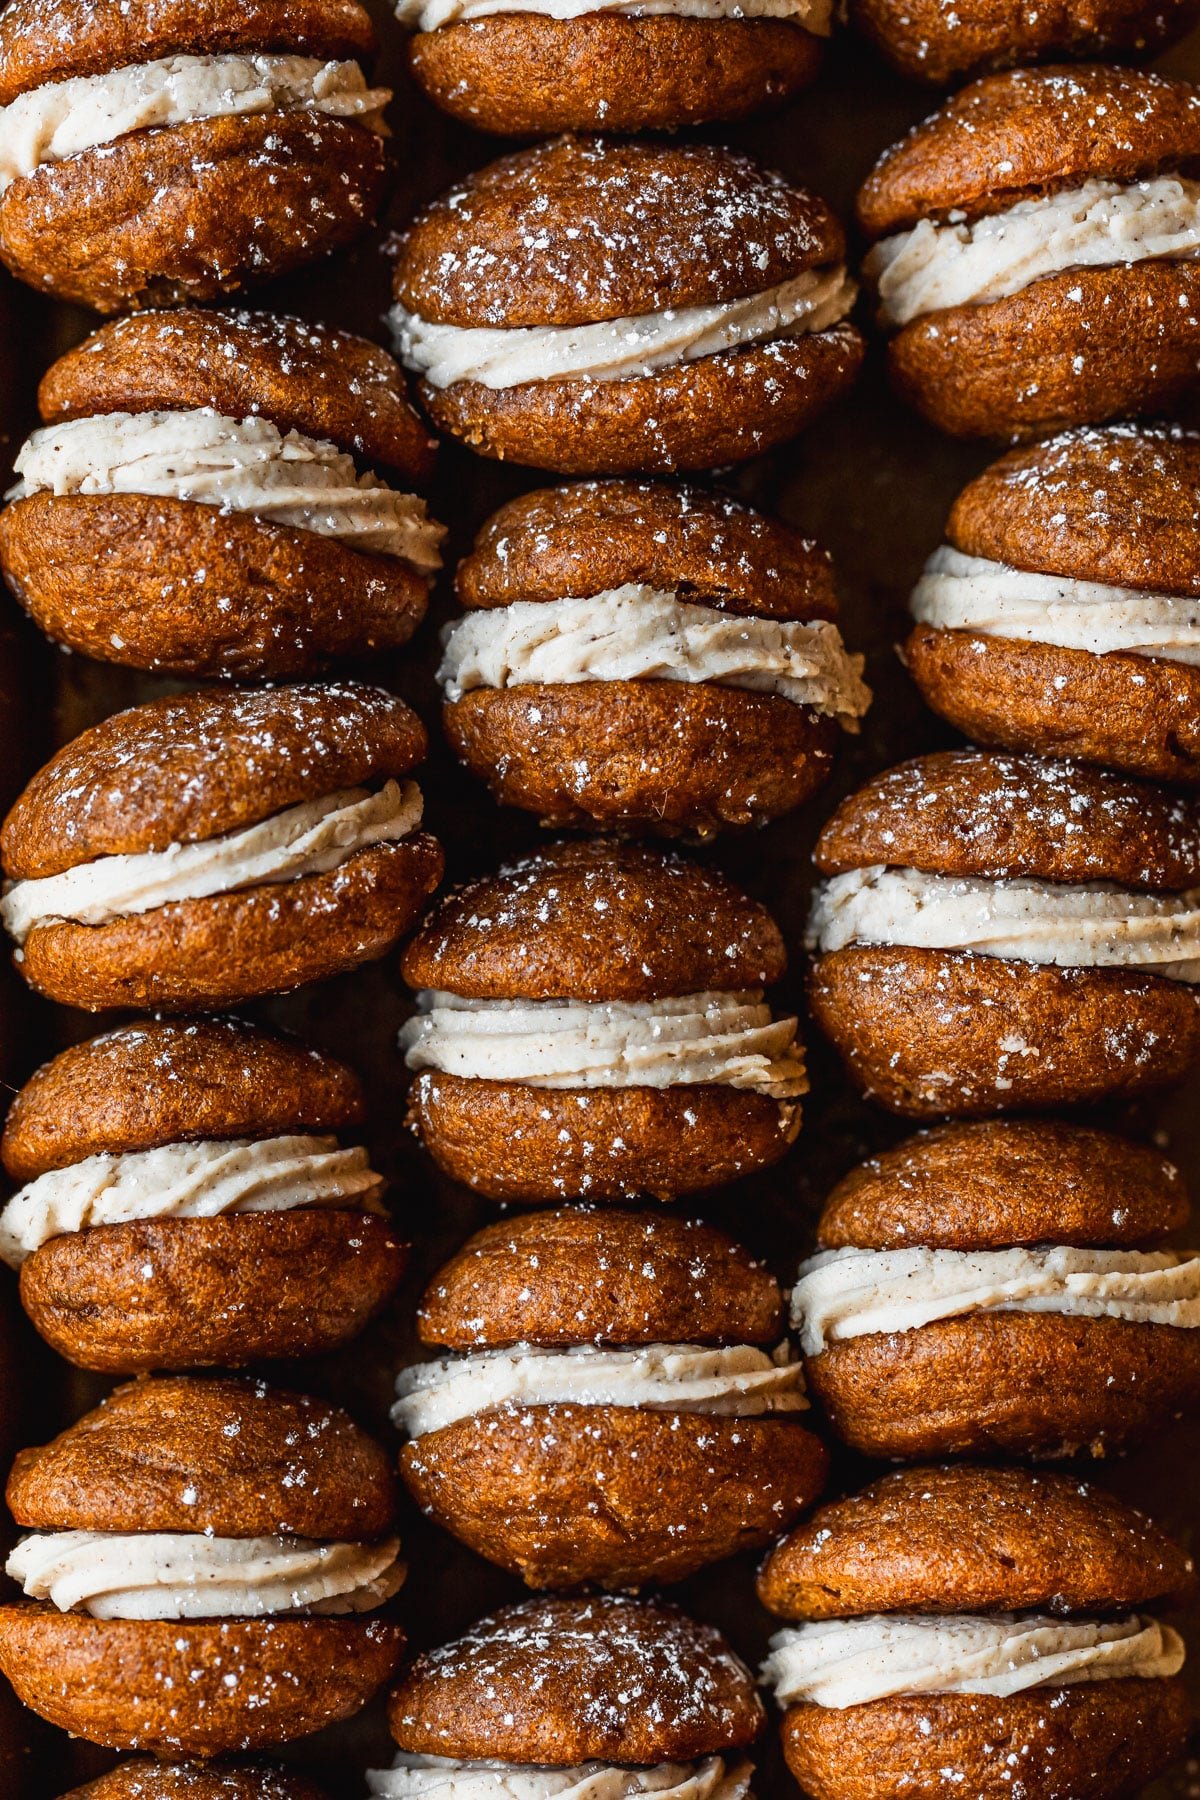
(143, 1779)
(927, 42)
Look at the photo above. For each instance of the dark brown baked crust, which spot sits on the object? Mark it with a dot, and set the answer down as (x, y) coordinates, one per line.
(925, 43)
(144, 1779)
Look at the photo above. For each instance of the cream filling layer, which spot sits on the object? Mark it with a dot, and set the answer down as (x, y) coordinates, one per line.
(189, 1575)
(309, 839)
(850, 1662)
(740, 1383)
(445, 1778)
(638, 633)
(1075, 927)
(431, 15)
(1102, 224)
(971, 593)
(851, 1293)
(696, 1039)
(186, 1181)
(64, 118)
(236, 466)
(619, 349)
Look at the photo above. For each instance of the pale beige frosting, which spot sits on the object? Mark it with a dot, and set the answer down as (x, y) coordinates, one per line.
(728, 1039)
(190, 1575)
(65, 118)
(1088, 925)
(619, 349)
(1099, 225)
(638, 633)
(739, 1382)
(235, 465)
(849, 1662)
(970, 593)
(851, 1293)
(447, 1778)
(430, 15)
(309, 839)
(186, 1181)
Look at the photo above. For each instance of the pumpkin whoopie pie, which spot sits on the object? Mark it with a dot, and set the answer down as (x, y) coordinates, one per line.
(153, 151)
(976, 1631)
(997, 933)
(643, 657)
(203, 1554)
(1062, 614)
(183, 1200)
(1036, 251)
(142, 1778)
(595, 306)
(591, 1025)
(616, 1405)
(193, 501)
(209, 847)
(989, 1288)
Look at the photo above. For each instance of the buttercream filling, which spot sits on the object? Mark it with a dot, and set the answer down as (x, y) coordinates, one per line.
(637, 633)
(971, 593)
(190, 1575)
(1102, 224)
(446, 1778)
(741, 1382)
(619, 349)
(310, 839)
(851, 1293)
(237, 466)
(850, 1662)
(64, 118)
(727, 1039)
(1090, 925)
(430, 15)
(186, 1181)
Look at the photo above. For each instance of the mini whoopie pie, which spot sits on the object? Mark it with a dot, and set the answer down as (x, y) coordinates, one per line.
(203, 1555)
(193, 501)
(1035, 251)
(650, 658)
(631, 1696)
(989, 1288)
(595, 306)
(142, 1778)
(205, 848)
(976, 1631)
(153, 151)
(997, 933)
(1062, 614)
(591, 1025)
(183, 1200)
(616, 1405)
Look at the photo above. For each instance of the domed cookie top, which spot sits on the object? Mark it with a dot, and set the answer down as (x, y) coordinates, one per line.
(143, 1779)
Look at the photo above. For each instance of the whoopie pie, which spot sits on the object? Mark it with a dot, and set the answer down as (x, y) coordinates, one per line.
(643, 657)
(142, 1778)
(153, 151)
(203, 1555)
(1062, 614)
(997, 933)
(1035, 251)
(183, 1200)
(616, 1405)
(594, 306)
(193, 502)
(990, 1287)
(591, 1025)
(205, 848)
(976, 1631)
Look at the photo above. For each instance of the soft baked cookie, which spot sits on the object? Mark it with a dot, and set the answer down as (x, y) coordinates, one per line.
(1035, 254)
(997, 932)
(203, 1554)
(976, 1631)
(209, 847)
(989, 1288)
(193, 501)
(599, 307)
(1062, 614)
(591, 1025)
(153, 151)
(616, 1405)
(647, 658)
(182, 1200)
(143, 1779)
